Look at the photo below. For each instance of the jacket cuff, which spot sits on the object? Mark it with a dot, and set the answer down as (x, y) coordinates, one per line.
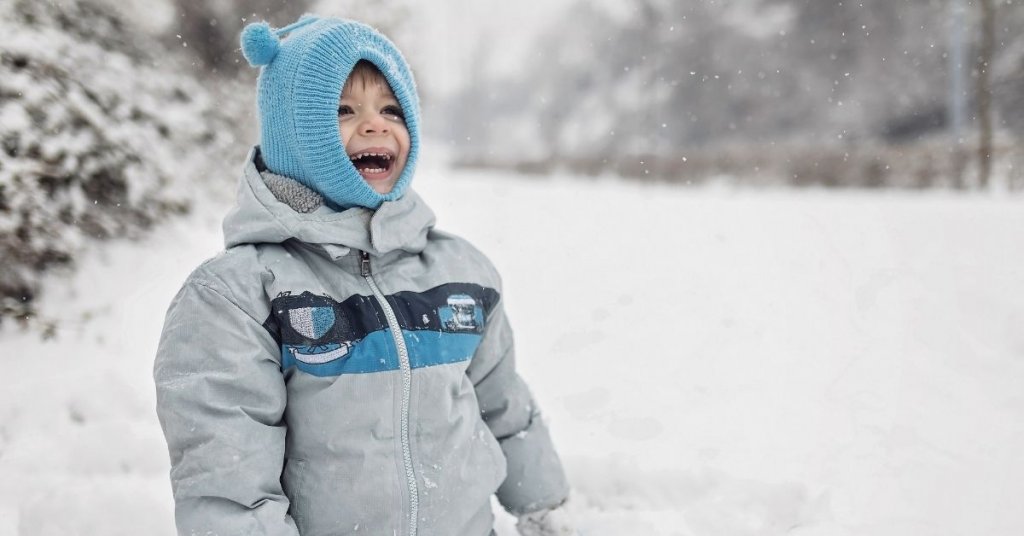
(536, 480)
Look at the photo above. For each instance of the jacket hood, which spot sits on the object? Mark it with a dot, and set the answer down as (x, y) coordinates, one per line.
(259, 217)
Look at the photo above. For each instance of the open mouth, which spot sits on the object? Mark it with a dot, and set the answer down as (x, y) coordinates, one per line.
(373, 164)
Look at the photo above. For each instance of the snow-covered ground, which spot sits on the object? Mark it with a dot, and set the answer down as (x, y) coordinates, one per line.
(712, 362)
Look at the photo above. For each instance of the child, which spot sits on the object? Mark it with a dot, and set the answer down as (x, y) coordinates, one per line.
(343, 367)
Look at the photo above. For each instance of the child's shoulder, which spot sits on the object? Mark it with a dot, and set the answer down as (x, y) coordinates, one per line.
(461, 251)
(226, 265)
(230, 273)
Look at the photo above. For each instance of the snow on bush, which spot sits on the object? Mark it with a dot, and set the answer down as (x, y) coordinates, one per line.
(100, 129)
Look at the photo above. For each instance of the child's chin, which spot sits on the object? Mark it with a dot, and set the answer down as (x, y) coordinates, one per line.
(380, 186)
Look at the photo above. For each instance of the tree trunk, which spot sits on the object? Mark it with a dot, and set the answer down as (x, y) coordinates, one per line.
(984, 91)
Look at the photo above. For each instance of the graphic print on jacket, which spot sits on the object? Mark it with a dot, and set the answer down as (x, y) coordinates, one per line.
(323, 337)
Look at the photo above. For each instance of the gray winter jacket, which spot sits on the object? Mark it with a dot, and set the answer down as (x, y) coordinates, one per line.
(346, 373)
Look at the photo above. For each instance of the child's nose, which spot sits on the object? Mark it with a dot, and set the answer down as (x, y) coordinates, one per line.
(374, 124)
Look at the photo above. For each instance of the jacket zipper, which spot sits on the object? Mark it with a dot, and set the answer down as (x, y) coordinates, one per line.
(403, 363)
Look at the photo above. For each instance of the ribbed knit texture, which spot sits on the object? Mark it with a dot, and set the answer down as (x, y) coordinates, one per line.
(298, 94)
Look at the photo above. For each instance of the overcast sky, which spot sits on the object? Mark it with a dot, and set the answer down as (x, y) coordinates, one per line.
(439, 38)
(452, 30)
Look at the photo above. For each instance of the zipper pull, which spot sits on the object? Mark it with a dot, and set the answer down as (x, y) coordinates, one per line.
(365, 263)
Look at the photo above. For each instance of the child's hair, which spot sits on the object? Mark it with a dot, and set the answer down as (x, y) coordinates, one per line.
(367, 74)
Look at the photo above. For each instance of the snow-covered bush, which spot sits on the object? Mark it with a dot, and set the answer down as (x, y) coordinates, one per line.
(101, 129)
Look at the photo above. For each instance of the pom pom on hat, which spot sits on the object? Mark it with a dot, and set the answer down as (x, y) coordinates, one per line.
(259, 44)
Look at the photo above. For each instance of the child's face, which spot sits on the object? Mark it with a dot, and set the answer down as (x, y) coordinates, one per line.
(373, 132)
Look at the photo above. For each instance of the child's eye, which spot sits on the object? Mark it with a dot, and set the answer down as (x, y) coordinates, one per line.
(392, 110)
(345, 109)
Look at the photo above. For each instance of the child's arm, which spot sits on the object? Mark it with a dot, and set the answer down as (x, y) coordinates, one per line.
(220, 399)
(535, 478)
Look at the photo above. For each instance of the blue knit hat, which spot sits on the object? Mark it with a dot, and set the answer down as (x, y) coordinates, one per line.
(298, 93)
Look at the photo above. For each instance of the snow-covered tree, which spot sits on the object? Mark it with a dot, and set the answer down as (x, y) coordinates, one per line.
(101, 129)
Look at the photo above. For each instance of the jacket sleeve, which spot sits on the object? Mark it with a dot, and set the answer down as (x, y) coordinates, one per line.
(220, 399)
(535, 478)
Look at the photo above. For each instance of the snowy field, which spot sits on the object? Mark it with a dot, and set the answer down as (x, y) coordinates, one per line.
(712, 362)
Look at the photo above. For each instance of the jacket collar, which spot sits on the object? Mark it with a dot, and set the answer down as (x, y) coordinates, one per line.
(259, 217)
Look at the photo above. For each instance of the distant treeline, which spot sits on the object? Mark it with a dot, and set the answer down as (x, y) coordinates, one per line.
(925, 165)
(665, 79)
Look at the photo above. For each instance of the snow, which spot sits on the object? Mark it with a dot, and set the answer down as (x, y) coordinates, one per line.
(711, 361)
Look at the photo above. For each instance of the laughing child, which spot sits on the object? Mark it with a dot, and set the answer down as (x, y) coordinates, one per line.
(343, 367)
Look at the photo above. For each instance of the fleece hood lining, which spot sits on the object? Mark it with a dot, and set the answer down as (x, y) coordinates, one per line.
(293, 193)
